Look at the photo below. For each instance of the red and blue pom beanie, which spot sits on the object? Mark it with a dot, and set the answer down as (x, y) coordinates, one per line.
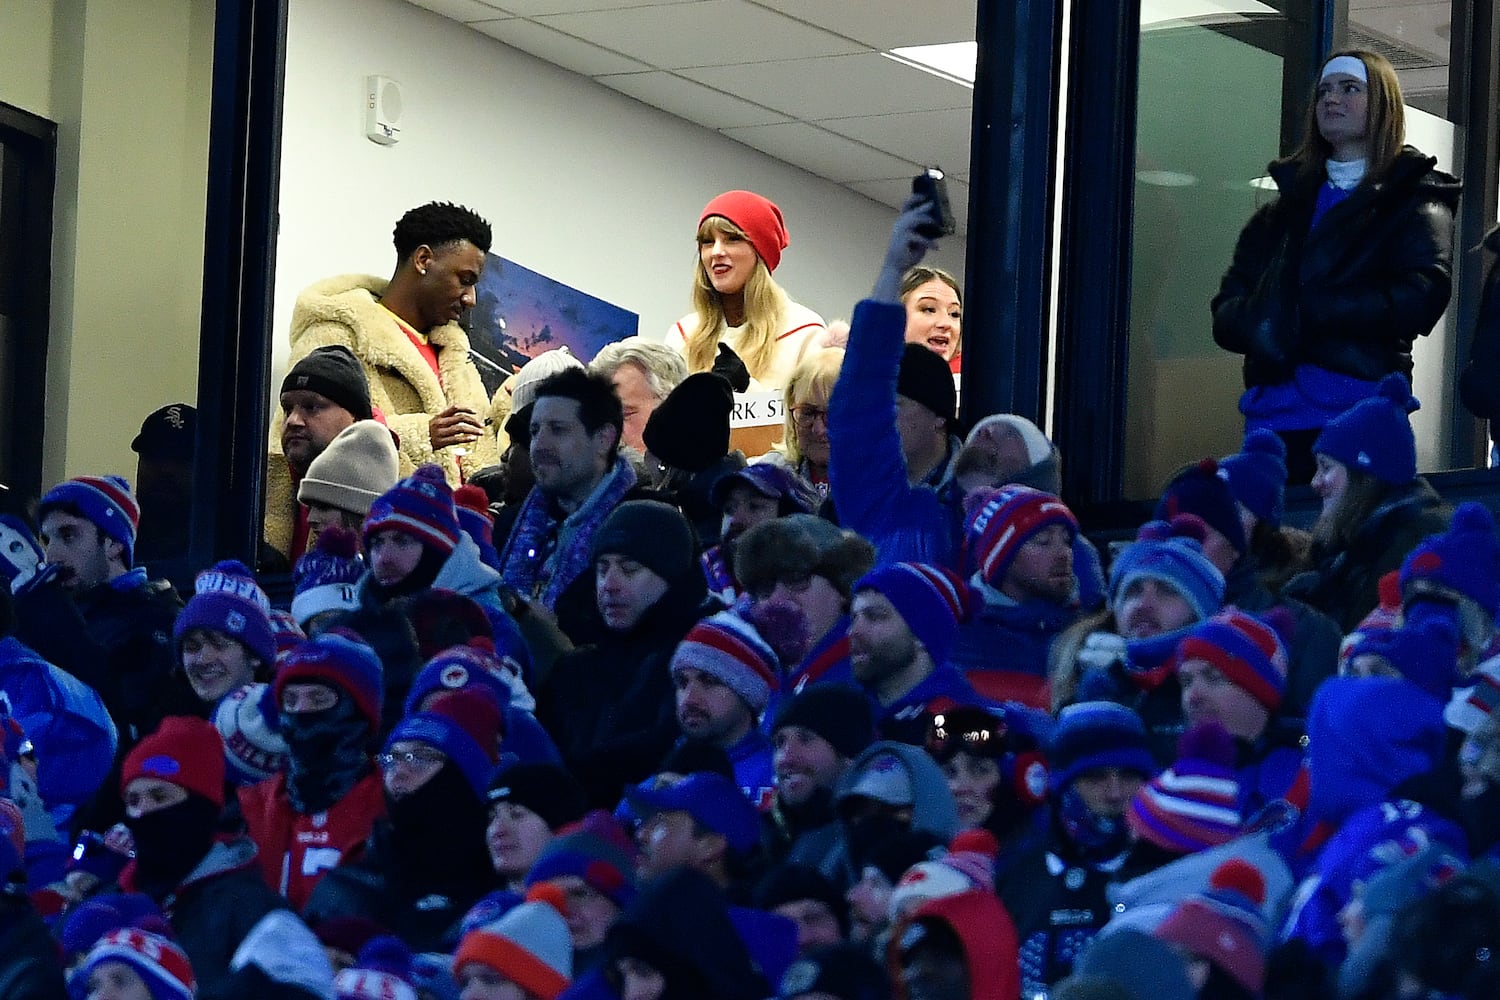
(342, 660)
(104, 501)
(932, 600)
(421, 505)
(230, 602)
(1464, 560)
(1203, 490)
(1245, 649)
(1375, 435)
(466, 727)
(1000, 521)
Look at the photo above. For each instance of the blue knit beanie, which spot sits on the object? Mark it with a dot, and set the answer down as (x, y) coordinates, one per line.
(1424, 649)
(342, 660)
(1257, 475)
(1095, 734)
(466, 727)
(104, 501)
(1201, 490)
(1375, 435)
(1464, 560)
(932, 600)
(1170, 553)
(457, 668)
(230, 602)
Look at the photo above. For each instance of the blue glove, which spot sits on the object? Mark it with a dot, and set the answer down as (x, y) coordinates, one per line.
(908, 247)
(20, 555)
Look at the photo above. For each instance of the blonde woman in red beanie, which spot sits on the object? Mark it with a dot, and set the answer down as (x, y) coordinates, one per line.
(736, 302)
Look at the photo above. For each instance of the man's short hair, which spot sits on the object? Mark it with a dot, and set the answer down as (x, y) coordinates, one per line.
(598, 406)
(665, 368)
(438, 223)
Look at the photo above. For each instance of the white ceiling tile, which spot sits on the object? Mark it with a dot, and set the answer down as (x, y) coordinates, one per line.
(885, 24)
(690, 100)
(939, 138)
(820, 152)
(557, 48)
(462, 10)
(895, 191)
(836, 87)
(673, 36)
(538, 8)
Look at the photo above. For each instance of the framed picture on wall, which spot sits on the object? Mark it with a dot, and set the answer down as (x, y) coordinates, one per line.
(520, 314)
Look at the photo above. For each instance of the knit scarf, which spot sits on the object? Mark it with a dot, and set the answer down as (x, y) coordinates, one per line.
(545, 554)
(1151, 661)
(1097, 839)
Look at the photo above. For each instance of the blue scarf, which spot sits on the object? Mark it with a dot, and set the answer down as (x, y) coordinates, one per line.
(1096, 838)
(546, 554)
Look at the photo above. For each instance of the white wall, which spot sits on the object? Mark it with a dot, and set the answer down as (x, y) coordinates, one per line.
(580, 183)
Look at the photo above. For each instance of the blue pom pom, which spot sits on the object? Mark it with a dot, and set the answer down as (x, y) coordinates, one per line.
(1473, 516)
(1265, 442)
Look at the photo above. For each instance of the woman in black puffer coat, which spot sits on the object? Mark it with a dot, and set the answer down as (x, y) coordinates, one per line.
(1333, 281)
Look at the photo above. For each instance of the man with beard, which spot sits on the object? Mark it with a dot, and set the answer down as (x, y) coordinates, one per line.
(323, 393)
(1019, 543)
(816, 736)
(904, 620)
(580, 476)
(90, 613)
(318, 814)
(173, 786)
(724, 673)
(752, 496)
(426, 863)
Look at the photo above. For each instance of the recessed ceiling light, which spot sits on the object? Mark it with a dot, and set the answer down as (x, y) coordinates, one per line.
(1166, 178)
(953, 61)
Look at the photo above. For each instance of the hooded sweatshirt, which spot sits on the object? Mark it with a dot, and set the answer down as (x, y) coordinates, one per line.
(989, 942)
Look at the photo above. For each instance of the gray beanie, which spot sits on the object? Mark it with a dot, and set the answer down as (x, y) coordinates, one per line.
(354, 470)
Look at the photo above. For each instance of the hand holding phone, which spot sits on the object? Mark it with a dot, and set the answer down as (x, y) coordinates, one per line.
(932, 184)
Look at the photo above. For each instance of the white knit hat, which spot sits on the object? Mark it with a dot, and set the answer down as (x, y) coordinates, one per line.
(354, 470)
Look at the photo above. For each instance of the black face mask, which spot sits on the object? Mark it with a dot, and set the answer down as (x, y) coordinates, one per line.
(437, 832)
(419, 579)
(327, 754)
(171, 842)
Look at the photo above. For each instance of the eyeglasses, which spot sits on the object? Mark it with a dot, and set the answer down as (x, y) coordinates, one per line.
(806, 416)
(423, 758)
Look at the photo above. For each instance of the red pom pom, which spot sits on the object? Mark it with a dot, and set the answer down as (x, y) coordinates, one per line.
(1390, 591)
(338, 541)
(1241, 877)
(1208, 467)
(978, 841)
(603, 876)
(473, 498)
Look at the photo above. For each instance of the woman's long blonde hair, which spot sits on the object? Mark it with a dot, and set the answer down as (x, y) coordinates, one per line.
(813, 378)
(1385, 132)
(765, 310)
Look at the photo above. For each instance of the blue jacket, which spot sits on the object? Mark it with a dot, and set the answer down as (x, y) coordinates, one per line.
(1010, 636)
(866, 470)
(751, 758)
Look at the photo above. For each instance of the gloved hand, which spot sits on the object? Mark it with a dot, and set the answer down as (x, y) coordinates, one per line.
(46, 574)
(1102, 650)
(908, 247)
(20, 555)
(728, 366)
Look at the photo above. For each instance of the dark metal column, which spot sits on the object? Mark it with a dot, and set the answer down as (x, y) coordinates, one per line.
(238, 266)
(1097, 215)
(1473, 76)
(1006, 294)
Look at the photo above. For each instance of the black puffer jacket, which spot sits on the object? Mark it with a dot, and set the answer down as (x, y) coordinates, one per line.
(1479, 386)
(1351, 295)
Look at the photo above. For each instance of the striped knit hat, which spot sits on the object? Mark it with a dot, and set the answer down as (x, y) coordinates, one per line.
(529, 946)
(227, 600)
(1193, 804)
(1170, 552)
(105, 501)
(162, 965)
(1243, 648)
(724, 646)
(932, 601)
(999, 522)
(1225, 924)
(421, 505)
(342, 660)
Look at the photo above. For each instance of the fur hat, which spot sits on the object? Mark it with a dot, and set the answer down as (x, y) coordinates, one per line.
(1225, 925)
(247, 721)
(652, 533)
(757, 217)
(358, 465)
(1257, 475)
(1194, 804)
(105, 502)
(1170, 553)
(162, 966)
(185, 752)
(1203, 489)
(327, 575)
(334, 373)
(801, 545)
(1000, 521)
(339, 659)
(465, 726)
(725, 647)
(932, 600)
(1246, 650)
(229, 601)
(1096, 734)
(529, 946)
(596, 849)
(1375, 435)
(421, 505)
(690, 428)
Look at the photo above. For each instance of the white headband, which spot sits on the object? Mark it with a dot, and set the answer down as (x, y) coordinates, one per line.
(1353, 65)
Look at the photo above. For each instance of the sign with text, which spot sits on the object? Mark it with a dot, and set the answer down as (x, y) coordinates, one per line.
(757, 409)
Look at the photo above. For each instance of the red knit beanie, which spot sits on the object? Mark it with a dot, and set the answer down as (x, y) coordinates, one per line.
(758, 217)
(184, 751)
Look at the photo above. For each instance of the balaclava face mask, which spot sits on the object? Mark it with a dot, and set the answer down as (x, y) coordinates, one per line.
(171, 842)
(420, 578)
(437, 832)
(327, 754)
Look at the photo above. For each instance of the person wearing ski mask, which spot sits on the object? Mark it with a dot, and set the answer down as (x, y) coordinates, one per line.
(173, 786)
(319, 813)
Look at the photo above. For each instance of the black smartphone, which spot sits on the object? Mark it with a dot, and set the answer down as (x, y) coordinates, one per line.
(933, 185)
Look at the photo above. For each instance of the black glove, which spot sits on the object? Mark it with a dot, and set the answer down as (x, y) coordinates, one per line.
(728, 365)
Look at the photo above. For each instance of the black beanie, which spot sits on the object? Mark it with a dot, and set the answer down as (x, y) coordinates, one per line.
(840, 713)
(695, 757)
(654, 534)
(925, 378)
(545, 789)
(689, 430)
(335, 373)
(792, 883)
